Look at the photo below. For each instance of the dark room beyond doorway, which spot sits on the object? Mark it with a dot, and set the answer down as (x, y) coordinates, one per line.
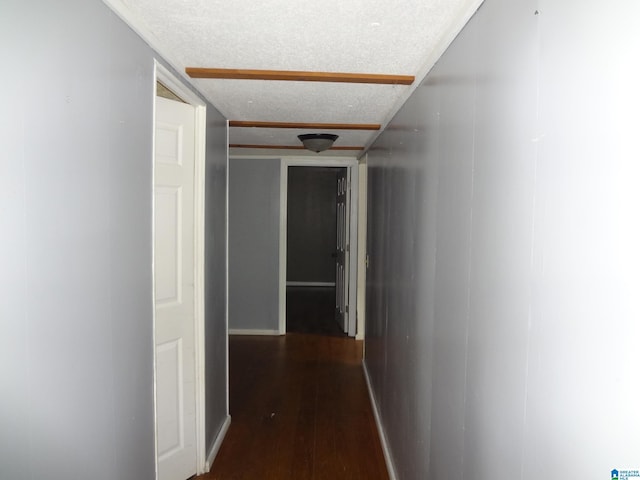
(311, 250)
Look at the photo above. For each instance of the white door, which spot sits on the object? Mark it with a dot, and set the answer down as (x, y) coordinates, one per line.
(342, 248)
(174, 290)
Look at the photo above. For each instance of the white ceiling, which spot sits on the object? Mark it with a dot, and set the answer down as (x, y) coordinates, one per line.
(350, 36)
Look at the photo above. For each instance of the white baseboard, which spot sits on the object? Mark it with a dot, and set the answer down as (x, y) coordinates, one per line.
(249, 331)
(391, 469)
(211, 455)
(311, 284)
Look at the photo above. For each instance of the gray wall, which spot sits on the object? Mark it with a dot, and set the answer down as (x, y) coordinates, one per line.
(502, 307)
(76, 345)
(254, 244)
(216, 276)
(311, 224)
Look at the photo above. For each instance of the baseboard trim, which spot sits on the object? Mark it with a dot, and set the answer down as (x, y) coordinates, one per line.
(217, 443)
(311, 284)
(391, 469)
(250, 331)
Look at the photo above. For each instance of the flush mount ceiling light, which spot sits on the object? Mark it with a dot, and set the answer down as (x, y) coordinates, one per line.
(317, 142)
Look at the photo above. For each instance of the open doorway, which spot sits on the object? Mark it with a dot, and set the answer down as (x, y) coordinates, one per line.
(258, 242)
(344, 243)
(315, 244)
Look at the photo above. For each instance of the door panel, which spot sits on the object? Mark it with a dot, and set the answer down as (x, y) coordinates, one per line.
(342, 248)
(168, 246)
(170, 415)
(174, 290)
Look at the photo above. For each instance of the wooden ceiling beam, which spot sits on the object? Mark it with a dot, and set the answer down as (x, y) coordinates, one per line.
(295, 76)
(305, 126)
(286, 147)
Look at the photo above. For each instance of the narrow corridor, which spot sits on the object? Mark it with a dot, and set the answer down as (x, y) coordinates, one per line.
(300, 410)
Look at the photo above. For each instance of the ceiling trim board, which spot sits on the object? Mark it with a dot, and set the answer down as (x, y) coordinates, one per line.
(318, 126)
(287, 147)
(296, 76)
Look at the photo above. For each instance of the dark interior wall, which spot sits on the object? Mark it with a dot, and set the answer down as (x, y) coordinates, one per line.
(311, 224)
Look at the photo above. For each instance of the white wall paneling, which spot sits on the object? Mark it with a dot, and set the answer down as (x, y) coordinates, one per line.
(77, 304)
(503, 239)
(77, 288)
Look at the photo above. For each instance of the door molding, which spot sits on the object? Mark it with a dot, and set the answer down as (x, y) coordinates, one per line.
(176, 85)
(352, 164)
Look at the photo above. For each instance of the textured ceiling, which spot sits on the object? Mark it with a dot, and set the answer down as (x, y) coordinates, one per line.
(352, 36)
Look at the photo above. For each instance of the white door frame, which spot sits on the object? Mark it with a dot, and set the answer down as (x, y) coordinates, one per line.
(352, 164)
(171, 81)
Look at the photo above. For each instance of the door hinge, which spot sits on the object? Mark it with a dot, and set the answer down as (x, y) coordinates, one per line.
(346, 308)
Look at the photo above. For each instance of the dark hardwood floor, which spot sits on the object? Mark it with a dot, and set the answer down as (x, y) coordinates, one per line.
(300, 410)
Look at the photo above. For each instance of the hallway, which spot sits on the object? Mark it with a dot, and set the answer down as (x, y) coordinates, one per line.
(300, 410)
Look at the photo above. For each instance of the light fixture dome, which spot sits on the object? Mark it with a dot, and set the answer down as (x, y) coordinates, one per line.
(317, 142)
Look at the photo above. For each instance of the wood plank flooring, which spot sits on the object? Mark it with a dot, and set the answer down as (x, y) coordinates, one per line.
(300, 410)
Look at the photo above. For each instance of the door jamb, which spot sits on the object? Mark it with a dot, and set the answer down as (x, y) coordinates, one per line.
(352, 164)
(172, 82)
